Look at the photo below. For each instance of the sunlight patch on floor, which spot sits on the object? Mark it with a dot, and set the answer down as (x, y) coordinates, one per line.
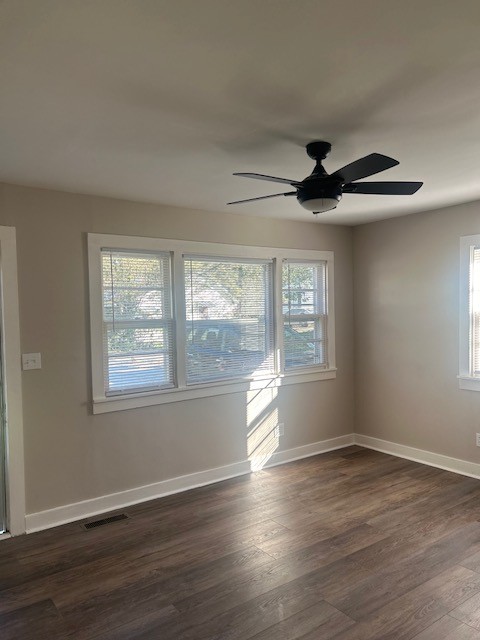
(262, 426)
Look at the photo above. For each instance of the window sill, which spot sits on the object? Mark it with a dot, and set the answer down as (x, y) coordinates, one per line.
(106, 405)
(469, 383)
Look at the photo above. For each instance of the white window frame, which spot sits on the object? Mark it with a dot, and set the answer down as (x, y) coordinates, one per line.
(104, 404)
(269, 327)
(307, 317)
(163, 323)
(466, 379)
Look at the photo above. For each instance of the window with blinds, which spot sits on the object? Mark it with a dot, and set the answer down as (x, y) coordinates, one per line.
(304, 308)
(229, 318)
(475, 311)
(173, 319)
(138, 334)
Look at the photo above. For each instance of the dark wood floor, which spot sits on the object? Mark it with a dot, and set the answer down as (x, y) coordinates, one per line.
(350, 545)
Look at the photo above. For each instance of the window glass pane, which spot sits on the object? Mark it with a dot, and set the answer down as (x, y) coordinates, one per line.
(304, 343)
(134, 286)
(304, 314)
(138, 326)
(138, 358)
(229, 318)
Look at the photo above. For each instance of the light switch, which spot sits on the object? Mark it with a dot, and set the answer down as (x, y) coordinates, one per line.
(31, 361)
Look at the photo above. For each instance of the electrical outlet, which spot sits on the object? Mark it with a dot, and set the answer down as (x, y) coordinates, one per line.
(279, 430)
(31, 361)
(477, 439)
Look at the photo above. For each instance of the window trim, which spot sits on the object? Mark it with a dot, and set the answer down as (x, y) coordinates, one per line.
(306, 317)
(164, 323)
(269, 320)
(179, 248)
(466, 380)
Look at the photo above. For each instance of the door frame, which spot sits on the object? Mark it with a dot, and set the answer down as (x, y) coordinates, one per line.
(11, 352)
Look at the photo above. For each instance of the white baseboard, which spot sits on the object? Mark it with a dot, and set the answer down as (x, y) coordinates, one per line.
(297, 453)
(114, 501)
(95, 506)
(463, 467)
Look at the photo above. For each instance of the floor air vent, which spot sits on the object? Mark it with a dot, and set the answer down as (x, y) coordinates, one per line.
(102, 521)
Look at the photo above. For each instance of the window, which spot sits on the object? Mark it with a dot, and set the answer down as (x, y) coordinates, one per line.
(138, 344)
(304, 313)
(174, 320)
(469, 376)
(229, 318)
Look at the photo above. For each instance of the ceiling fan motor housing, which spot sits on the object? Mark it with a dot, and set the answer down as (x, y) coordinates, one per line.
(319, 193)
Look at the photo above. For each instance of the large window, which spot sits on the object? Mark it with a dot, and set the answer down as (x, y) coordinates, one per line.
(229, 325)
(469, 377)
(175, 320)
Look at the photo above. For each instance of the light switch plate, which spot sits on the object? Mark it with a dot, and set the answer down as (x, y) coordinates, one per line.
(31, 361)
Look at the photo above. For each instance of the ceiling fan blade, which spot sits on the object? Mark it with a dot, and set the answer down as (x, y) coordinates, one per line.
(260, 176)
(274, 195)
(364, 167)
(384, 188)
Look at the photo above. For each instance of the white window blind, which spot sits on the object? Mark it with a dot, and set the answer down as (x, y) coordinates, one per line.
(304, 307)
(138, 334)
(229, 313)
(475, 311)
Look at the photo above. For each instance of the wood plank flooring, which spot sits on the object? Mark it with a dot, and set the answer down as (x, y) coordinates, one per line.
(349, 545)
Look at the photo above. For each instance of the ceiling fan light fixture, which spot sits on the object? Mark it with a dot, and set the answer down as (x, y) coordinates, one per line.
(320, 204)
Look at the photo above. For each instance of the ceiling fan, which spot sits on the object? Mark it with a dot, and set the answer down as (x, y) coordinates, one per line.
(321, 191)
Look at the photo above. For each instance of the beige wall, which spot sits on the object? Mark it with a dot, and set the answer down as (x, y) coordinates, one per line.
(71, 455)
(406, 345)
(406, 332)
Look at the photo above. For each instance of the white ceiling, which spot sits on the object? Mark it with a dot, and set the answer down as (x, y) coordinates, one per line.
(162, 100)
